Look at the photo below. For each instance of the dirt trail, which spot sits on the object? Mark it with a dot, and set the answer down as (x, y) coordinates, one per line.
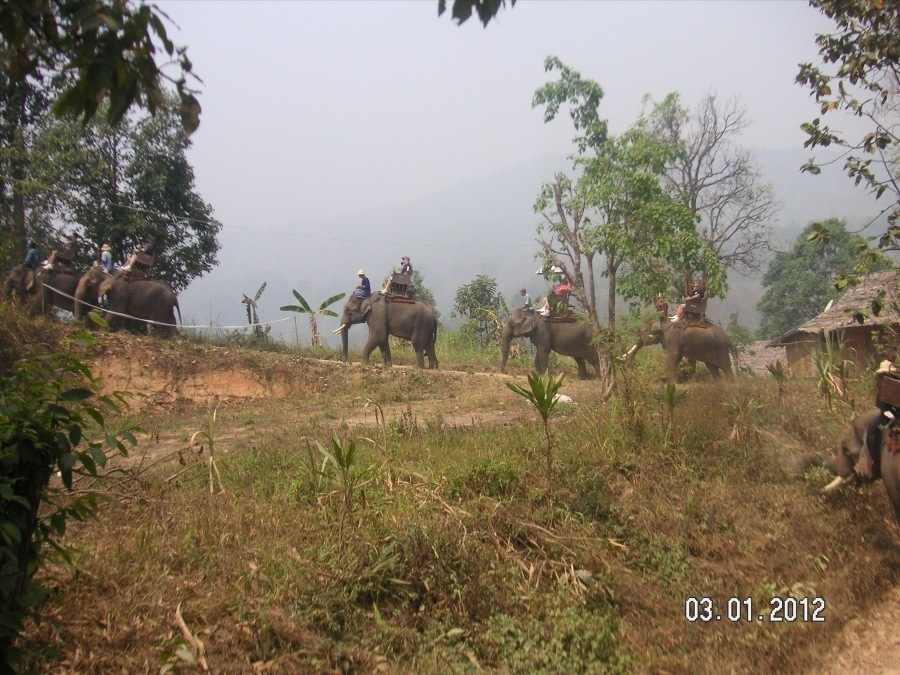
(869, 643)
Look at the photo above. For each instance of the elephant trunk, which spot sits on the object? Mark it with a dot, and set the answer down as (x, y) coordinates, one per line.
(504, 347)
(79, 309)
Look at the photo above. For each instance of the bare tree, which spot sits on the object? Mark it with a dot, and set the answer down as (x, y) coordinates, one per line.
(718, 179)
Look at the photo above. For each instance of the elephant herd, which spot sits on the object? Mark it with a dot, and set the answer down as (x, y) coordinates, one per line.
(129, 302)
(154, 302)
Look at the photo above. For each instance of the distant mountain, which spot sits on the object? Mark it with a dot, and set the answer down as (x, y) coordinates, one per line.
(481, 226)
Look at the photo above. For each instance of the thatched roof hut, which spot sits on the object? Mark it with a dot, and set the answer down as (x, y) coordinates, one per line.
(850, 320)
(758, 356)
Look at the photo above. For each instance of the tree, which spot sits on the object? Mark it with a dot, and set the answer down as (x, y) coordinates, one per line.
(866, 52)
(120, 184)
(479, 302)
(718, 181)
(618, 208)
(799, 283)
(304, 308)
(101, 51)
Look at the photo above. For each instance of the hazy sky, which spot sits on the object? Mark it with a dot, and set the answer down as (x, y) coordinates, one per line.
(324, 108)
(312, 108)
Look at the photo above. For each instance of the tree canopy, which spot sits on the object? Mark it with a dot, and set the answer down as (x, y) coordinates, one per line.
(120, 184)
(860, 77)
(619, 208)
(101, 51)
(799, 282)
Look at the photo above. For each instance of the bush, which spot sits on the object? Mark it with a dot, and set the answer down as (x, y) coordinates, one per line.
(47, 402)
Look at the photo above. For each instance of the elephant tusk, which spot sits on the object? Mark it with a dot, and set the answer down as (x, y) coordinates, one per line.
(338, 330)
(837, 483)
(631, 351)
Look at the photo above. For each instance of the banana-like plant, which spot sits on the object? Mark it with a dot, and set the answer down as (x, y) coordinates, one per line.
(542, 394)
(304, 308)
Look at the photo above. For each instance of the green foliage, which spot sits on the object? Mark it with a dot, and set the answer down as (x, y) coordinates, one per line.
(865, 50)
(542, 395)
(119, 185)
(620, 208)
(304, 308)
(739, 335)
(485, 308)
(99, 51)
(799, 283)
(832, 370)
(48, 406)
(489, 478)
(780, 373)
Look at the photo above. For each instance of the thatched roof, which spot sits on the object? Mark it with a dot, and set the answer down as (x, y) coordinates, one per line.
(844, 313)
(755, 357)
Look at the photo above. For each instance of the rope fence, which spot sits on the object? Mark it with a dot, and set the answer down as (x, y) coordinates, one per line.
(160, 323)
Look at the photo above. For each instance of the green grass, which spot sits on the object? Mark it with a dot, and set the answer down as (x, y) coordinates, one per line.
(454, 550)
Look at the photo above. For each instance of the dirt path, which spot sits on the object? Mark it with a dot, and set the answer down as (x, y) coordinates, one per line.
(869, 643)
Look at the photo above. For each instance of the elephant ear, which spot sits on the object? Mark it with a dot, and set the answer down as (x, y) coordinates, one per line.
(105, 286)
(365, 306)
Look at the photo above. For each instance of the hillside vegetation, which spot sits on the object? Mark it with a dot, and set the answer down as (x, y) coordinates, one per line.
(284, 513)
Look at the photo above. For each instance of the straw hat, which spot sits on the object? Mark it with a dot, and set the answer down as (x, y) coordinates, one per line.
(361, 273)
(105, 247)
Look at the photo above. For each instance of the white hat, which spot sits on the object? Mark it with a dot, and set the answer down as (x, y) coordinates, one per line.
(888, 367)
(361, 272)
(105, 247)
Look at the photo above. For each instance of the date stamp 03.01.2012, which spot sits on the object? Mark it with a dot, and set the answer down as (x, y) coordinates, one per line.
(773, 610)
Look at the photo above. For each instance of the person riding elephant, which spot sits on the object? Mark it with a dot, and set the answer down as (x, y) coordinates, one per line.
(145, 300)
(708, 344)
(50, 288)
(568, 339)
(32, 258)
(871, 437)
(413, 321)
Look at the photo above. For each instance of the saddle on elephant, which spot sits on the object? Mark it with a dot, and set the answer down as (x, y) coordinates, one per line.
(694, 316)
(399, 289)
(140, 268)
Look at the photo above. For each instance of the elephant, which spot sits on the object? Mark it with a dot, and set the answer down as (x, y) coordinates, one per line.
(142, 299)
(708, 344)
(881, 458)
(42, 296)
(567, 339)
(385, 316)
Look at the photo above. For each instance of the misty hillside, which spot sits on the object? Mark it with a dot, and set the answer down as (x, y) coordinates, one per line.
(482, 226)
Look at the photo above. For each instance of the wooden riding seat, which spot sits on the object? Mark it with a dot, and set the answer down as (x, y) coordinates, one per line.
(143, 262)
(888, 390)
(695, 310)
(400, 283)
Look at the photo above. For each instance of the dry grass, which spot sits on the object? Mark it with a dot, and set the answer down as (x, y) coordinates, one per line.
(457, 553)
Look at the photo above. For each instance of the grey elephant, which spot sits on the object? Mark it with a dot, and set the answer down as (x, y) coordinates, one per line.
(707, 343)
(385, 316)
(868, 453)
(142, 299)
(568, 339)
(43, 294)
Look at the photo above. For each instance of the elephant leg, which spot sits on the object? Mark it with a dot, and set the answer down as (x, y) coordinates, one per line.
(541, 360)
(386, 353)
(432, 356)
(714, 369)
(672, 361)
(582, 371)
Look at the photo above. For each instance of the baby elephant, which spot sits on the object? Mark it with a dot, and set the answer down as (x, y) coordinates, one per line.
(866, 456)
